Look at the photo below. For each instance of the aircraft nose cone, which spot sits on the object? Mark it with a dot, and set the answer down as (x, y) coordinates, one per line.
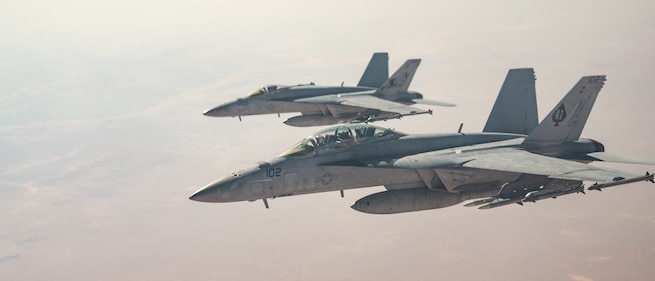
(202, 195)
(210, 193)
(216, 111)
(223, 190)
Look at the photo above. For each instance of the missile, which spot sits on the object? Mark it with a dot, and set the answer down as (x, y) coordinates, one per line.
(394, 116)
(620, 181)
(502, 203)
(545, 194)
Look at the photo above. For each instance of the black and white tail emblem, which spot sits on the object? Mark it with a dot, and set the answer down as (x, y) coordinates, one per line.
(559, 115)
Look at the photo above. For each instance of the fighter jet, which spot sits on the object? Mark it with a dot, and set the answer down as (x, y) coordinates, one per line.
(376, 97)
(497, 167)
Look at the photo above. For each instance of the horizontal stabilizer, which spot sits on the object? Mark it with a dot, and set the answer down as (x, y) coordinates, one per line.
(432, 102)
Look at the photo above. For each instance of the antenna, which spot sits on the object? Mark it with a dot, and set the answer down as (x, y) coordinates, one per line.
(459, 131)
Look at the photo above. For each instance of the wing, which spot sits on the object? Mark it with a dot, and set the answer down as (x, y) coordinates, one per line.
(365, 101)
(524, 162)
(520, 175)
(513, 161)
(369, 101)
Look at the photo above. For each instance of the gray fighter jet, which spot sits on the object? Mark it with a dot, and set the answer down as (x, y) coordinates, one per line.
(514, 160)
(376, 97)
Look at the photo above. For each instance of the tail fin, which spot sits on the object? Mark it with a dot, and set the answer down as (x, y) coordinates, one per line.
(400, 80)
(566, 121)
(376, 72)
(515, 109)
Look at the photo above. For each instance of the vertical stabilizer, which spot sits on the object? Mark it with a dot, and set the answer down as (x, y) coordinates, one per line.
(399, 82)
(566, 121)
(515, 109)
(376, 72)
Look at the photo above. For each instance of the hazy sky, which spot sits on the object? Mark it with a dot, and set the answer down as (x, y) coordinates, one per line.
(102, 138)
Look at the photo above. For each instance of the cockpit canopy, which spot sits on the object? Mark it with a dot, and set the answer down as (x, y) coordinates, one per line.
(338, 137)
(266, 90)
(272, 89)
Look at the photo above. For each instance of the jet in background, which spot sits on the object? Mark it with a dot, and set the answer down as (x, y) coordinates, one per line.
(514, 159)
(376, 97)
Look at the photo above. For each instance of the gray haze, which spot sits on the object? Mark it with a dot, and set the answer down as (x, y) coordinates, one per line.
(102, 138)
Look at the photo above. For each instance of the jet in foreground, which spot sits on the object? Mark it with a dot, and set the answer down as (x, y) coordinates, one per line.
(376, 97)
(497, 167)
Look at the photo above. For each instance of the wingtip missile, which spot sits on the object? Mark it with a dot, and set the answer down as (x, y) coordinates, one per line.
(621, 181)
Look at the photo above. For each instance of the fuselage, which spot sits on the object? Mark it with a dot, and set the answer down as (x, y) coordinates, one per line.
(274, 99)
(343, 157)
(280, 99)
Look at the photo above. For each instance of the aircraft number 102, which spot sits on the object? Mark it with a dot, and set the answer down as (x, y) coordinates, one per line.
(273, 172)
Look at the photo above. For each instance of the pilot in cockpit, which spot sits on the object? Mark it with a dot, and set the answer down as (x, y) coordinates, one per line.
(320, 140)
(271, 89)
(310, 145)
(359, 135)
(344, 137)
